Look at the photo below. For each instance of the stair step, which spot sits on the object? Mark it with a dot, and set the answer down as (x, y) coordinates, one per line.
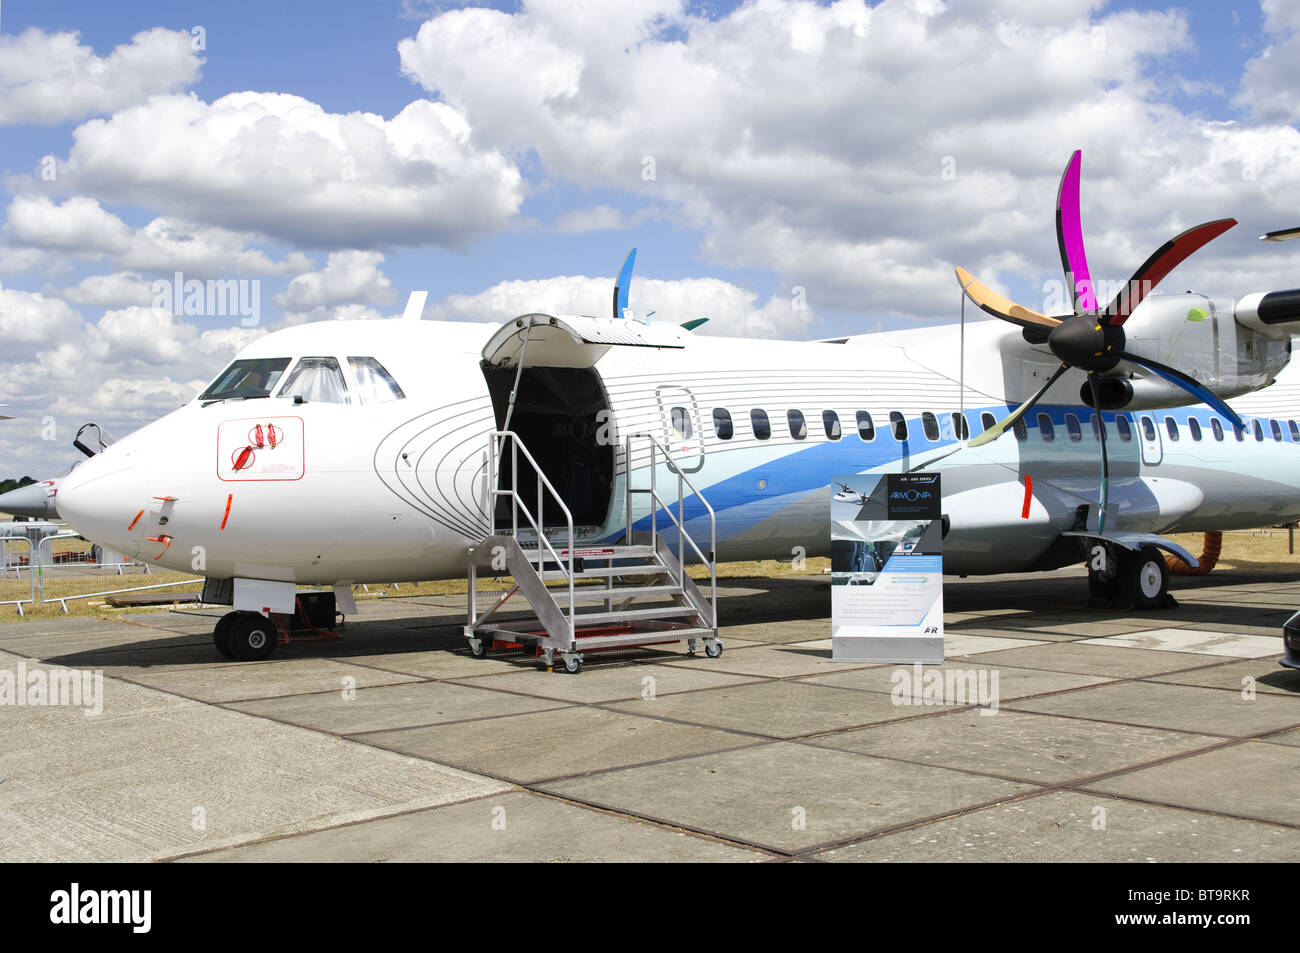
(622, 592)
(628, 615)
(645, 569)
(601, 553)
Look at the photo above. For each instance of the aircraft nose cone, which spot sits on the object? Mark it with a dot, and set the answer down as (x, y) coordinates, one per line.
(101, 498)
(35, 500)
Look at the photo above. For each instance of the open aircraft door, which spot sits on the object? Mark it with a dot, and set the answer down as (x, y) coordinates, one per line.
(543, 340)
(541, 372)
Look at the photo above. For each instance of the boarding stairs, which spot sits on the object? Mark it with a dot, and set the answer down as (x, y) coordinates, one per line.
(586, 597)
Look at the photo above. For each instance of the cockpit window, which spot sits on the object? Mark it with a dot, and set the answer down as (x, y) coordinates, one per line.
(249, 378)
(374, 384)
(316, 380)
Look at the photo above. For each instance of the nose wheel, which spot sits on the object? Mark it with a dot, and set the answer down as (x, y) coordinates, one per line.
(221, 634)
(245, 636)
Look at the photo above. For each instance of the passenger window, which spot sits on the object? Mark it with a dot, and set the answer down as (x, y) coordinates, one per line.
(681, 419)
(1259, 430)
(1216, 428)
(987, 421)
(1045, 428)
(1124, 429)
(316, 380)
(960, 429)
(254, 377)
(930, 424)
(1194, 427)
(1276, 427)
(866, 428)
(1148, 429)
(831, 423)
(1021, 431)
(1097, 424)
(1171, 426)
(798, 426)
(762, 427)
(374, 384)
(1239, 432)
(1073, 427)
(1295, 430)
(722, 423)
(898, 424)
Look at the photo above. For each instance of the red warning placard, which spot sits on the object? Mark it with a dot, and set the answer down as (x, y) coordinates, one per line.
(261, 448)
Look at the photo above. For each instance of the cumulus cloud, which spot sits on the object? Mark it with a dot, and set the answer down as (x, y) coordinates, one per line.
(81, 227)
(349, 277)
(52, 77)
(111, 291)
(129, 367)
(28, 321)
(281, 166)
(862, 151)
(1268, 87)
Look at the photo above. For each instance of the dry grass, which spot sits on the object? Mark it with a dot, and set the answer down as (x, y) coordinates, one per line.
(1257, 550)
(1264, 550)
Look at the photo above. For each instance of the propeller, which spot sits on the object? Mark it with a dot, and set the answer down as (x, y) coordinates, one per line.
(1092, 338)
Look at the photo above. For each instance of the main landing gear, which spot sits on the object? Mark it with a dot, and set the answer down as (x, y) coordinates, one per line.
(245, 636)
(1120, 578)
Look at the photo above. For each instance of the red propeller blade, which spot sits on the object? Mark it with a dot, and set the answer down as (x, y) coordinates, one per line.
(1165, 259)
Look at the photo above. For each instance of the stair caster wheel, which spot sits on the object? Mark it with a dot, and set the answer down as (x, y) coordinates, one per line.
(712, 648)
(477, 648)
(573, 664)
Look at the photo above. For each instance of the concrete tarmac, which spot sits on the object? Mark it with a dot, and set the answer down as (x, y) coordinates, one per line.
(1171, 735)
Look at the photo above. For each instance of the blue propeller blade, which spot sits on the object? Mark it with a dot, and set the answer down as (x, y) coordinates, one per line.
(624, 280)
(1188, 384)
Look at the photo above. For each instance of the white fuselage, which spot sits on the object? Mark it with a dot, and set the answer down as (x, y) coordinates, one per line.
(325, 492)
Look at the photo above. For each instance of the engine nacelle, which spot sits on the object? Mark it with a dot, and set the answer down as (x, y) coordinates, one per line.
(1275, 314)
(1206, 338)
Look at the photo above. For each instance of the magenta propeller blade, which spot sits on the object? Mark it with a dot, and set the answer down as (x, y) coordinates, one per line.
(1069, 236)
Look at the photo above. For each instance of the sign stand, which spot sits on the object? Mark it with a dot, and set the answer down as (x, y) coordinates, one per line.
(887, 568)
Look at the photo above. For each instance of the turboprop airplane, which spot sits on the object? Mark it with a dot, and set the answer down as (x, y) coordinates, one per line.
(341, 453)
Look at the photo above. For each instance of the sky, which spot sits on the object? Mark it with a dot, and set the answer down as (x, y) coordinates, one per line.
(785, 168)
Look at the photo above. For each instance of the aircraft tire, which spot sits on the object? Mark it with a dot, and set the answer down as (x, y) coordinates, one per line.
(221, 634)
(1146, 578)
(252, 637)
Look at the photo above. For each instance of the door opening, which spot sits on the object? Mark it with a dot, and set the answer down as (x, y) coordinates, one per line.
(558, 417)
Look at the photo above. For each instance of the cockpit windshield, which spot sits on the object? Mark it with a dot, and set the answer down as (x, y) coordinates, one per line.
(316, 380)
(374, 384)
(254, 377)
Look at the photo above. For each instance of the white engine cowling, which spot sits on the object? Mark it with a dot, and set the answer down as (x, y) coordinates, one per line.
(1204, 337)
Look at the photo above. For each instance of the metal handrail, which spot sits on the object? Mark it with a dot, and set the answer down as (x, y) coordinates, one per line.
(517, 504)
(31, 575)
(679, 520)
(64, 600)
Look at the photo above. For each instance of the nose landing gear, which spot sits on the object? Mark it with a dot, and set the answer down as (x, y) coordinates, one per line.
(245, 636)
